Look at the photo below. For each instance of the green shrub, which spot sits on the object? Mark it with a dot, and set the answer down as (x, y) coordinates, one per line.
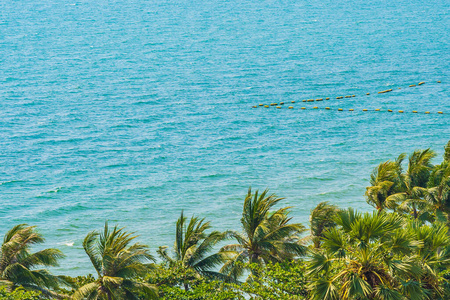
(18, 294)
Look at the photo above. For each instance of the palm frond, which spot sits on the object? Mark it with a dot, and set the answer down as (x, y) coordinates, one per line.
(46, 257)
(324, 289)
(91, 249)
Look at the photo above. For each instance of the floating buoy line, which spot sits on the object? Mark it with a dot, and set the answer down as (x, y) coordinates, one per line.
(281, 104)
(366, 110)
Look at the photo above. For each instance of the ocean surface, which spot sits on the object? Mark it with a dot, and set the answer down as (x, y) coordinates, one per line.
(132, 111)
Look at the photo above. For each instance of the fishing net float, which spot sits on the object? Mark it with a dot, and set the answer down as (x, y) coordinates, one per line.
(365, 110)
(342, 97)
(280, 105)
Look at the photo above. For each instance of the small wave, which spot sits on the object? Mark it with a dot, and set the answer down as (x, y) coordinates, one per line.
(320, 178)
(64, 210)
(113, 166)
(215, 175)
(66, 243)
(56, 190)
(10, 182)
(143, 102)
(122, 126)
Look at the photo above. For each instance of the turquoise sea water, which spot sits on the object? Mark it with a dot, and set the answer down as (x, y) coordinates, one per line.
(130, 111)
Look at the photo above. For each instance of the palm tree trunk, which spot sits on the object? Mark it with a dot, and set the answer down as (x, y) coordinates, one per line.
(379, 209)
(414, 211)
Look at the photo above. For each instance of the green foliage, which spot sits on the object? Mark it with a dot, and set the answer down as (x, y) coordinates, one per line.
(447, 152)
(75, 283)
(422, 190)
(273, 281)
(193, 246)
(321, 218)
(118, 264)
(18, 294)
(172, 280)
(385, 180)
(285, 280)
(19, 267)
(267, 236)
(380, 256)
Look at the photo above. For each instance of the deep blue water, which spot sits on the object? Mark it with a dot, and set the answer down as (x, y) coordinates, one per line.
(130, 111)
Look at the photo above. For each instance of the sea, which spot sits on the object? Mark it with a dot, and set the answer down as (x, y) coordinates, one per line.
(133, 111)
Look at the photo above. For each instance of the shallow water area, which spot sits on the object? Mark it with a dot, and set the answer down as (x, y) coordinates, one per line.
(131, 111)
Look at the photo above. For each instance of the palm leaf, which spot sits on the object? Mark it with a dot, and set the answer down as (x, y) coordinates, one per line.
(91, 249)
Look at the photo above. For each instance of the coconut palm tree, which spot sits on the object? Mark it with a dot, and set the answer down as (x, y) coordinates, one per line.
(267, 236)
(18, 266)
(385, 180)
(438, 193)
(321, 218)
(447, 152)
(193, 246)
(118, 263)
(414, 181)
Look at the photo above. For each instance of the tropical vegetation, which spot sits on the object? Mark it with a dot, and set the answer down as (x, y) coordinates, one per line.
(399, 251)
(118, 263)
(21, 268)
(267, 237)
(192, 250)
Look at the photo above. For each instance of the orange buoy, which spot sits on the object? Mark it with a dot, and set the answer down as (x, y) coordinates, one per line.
(438, 81)
(427, 112)
(351, 109)
(261, 104)
(315, 107)
(290, 107)
(340, 109)
(281, 103)
(414, 111)
(389, 110)
(303, 100)
(400, 111)
(254, 106)
(327, 108)
(440, 112)
(327, 98)
(292, 101)
(364, 109)
(266, 106)
(367, 93)
(422, 82)
(412, 85)
(377, 109)
(303, 107)
(278, 106)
